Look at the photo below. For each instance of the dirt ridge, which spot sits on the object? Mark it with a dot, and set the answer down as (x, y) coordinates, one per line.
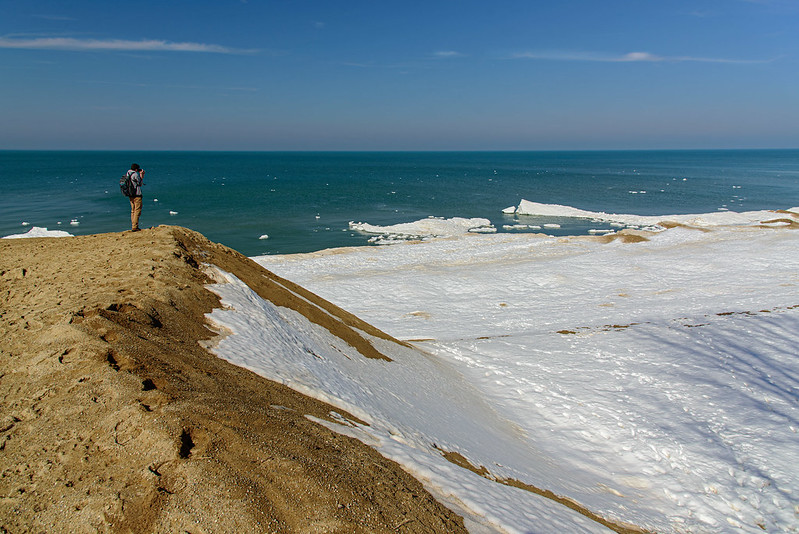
(115, 419)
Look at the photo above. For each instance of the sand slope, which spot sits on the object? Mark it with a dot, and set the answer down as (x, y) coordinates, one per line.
(113, 418)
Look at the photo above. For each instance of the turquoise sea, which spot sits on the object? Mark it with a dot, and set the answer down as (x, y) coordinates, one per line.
(304, 201)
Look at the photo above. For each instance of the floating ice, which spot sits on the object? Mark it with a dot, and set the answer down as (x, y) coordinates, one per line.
(483, 230)
(520, 227)
(724, 218)
(426, 228)
(173, 212)
(264, 236)
(74, 222)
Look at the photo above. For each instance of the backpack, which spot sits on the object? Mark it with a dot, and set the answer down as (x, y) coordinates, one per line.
(126, 185)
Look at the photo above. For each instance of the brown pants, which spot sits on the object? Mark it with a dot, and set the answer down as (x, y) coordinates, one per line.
(135, 212)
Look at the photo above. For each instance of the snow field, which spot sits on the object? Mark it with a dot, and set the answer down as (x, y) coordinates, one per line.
(653, 382)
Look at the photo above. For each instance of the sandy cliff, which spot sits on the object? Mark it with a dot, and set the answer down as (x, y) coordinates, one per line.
(113, 418)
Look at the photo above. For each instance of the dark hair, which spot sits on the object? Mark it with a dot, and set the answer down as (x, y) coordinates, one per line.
(135, 167)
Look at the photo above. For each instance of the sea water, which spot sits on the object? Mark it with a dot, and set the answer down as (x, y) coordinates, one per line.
(287, 202)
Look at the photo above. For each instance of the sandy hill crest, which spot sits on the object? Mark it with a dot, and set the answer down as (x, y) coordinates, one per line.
(113, 418)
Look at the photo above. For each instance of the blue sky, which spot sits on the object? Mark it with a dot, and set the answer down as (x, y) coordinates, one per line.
(410, 75)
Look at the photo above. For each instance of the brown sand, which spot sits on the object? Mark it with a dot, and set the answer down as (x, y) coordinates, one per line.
(616, 526)
(114, 419)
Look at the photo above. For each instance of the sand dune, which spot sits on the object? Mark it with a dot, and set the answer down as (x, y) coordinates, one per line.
(115, 419)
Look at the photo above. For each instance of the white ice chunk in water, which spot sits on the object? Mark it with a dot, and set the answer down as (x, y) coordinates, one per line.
(521, 227)
(725, 218)
(426, 228)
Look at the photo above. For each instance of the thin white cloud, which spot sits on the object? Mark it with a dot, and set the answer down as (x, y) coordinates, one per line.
(114, 45)
(632, 57)
(171, 86)
(59, 18)
(446, 54)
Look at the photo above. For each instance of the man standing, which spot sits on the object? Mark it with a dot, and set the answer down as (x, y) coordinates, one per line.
(136, 175)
